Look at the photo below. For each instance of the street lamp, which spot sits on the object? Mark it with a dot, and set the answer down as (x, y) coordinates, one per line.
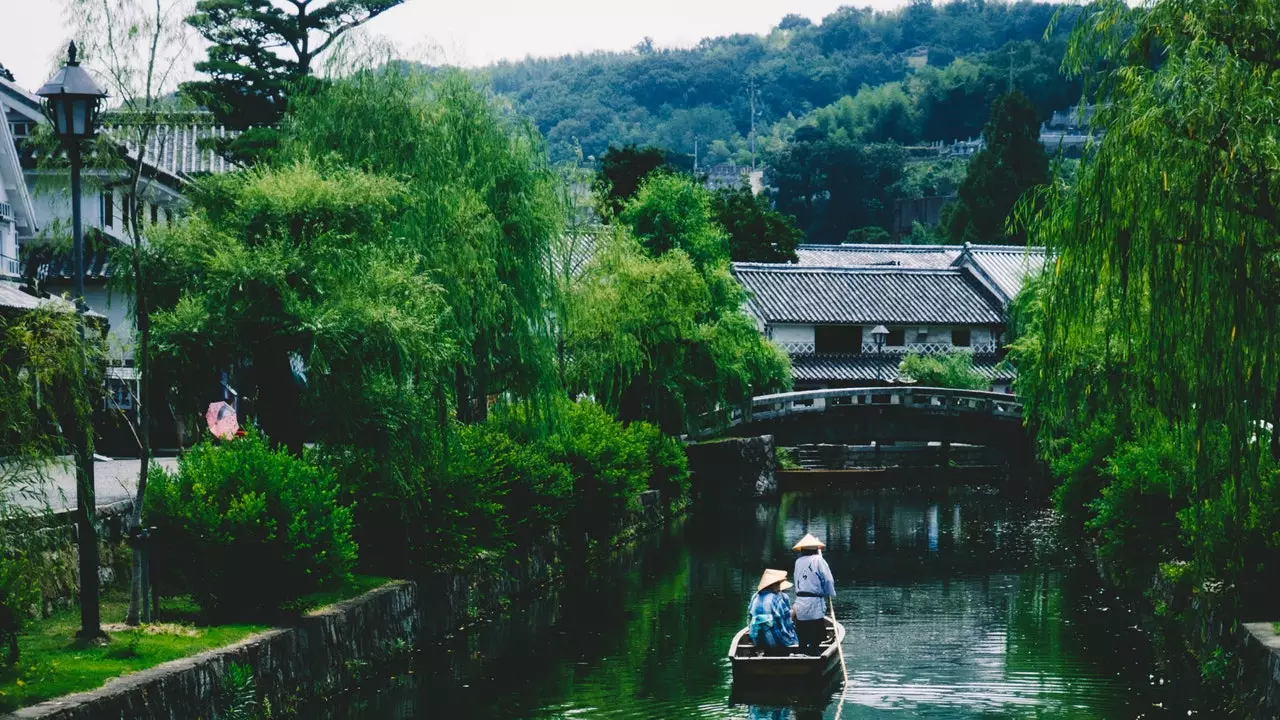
(879, 334)
(72, 101)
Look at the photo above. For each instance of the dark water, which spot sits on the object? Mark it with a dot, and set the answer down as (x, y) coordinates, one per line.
(955, 604)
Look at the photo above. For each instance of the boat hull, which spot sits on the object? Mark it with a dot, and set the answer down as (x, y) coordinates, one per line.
(752, 664)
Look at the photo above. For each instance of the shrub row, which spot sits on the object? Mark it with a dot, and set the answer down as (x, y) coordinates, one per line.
(248, 530)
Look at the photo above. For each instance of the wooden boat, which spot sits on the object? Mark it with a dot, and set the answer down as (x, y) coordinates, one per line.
(752, 663)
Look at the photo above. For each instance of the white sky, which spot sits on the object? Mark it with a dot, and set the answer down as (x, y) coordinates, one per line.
(474, 32)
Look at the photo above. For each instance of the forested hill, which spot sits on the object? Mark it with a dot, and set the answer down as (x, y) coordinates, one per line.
(944, 64)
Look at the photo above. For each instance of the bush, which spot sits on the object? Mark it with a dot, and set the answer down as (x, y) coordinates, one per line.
(953, 370)
(574, 467)
(248, 530)
(1136, 516)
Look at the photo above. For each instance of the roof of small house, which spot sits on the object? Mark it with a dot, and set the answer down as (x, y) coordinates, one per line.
(174, 146)
(13, 296)
(845, 368)
(1003, 269)
(878, 255)
(783, 293)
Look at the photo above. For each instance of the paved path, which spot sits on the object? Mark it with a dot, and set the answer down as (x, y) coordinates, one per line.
(115, 480)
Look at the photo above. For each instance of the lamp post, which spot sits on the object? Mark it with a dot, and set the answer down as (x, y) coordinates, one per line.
(72, 101)
(879, 334)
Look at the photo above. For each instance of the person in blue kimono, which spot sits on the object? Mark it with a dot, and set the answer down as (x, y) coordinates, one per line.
(772, 625)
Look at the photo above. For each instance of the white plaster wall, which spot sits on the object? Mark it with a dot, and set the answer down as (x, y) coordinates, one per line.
(979, 334)
(792, 333)
(116, 308)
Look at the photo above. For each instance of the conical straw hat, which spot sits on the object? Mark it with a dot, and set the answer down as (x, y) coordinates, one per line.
(809, 542)
(771, 577)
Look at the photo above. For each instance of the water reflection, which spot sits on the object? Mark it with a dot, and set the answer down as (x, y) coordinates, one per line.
(951, 611)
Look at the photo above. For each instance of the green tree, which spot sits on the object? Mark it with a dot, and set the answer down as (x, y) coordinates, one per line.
(1011, 163)
(260, 52)
(1158, 315)
(483, 211)
(757, 232)
(622, 171)
(834, 185)
(953, 370)
(674, 212)
(656, 339)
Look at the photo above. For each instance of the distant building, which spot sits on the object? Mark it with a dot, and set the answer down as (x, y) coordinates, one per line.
(932, 300)
(731, 176)
(173, 159)
(927, 211)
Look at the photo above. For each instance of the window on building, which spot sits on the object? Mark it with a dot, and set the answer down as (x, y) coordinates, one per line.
(961, 337)
(108, 208)
(922, 335)
(837, 338)
(897, 337)
(155, 214)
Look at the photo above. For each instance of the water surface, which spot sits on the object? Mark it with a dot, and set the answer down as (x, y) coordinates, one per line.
(955, 607)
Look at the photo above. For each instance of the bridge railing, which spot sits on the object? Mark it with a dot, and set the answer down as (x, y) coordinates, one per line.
(946, 401)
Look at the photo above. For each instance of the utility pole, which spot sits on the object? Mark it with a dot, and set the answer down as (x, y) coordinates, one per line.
(751, 100)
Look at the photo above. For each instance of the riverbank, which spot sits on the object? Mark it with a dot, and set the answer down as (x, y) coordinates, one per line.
(325, 653)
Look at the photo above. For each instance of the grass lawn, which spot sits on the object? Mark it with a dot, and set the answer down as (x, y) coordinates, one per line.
(53, 663)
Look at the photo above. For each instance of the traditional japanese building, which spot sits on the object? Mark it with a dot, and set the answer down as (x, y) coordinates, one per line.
(932, 299)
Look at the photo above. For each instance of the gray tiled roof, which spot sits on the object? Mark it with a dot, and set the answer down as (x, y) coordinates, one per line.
(1004, 267)
(877, 255)
(175, 148)
(797, 294)
(1007, 266)
(14, 297)
(846, 368)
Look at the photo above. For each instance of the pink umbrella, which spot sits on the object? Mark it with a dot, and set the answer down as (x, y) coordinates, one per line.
(222, 420)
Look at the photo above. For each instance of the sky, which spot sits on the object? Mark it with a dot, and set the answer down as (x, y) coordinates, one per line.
(474, 32)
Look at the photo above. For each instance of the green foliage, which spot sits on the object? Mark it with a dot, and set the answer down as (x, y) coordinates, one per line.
(280, 264)
(260, 54)
(869, 234)
(1135, 518)
(931, 178)
(621, 172)
(248, 531)
(577, 470)
(1011, 163)
(585, 103)
(239, 695)
(1163, 298)
(481, 210)
(674, 212)
(832, 185)
(656, 339)
(757, 232)
(952, 370)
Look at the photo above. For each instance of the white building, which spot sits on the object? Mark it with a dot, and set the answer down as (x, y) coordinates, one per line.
(933, 299)
(173, 160)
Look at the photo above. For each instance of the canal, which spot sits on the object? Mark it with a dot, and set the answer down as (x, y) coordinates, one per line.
(958, 604)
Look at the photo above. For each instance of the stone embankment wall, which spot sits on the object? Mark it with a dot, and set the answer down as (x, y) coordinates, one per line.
(1260, 654)
(326, 652)
(734, 468)
(323, 654)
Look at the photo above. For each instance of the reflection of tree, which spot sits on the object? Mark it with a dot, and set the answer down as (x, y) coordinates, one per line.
(971, 627)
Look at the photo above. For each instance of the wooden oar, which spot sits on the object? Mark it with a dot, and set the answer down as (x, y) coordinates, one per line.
(843, 670)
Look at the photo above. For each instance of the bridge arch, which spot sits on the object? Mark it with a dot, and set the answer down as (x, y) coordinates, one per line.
(876, 414)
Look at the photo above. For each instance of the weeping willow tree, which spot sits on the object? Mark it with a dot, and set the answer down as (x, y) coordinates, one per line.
(483, 210)
(1164, 291)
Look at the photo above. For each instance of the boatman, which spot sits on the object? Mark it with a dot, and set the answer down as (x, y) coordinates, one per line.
(770, 614)
(814, 584)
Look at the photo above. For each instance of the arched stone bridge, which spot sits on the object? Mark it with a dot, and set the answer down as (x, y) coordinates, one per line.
(876, 414)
